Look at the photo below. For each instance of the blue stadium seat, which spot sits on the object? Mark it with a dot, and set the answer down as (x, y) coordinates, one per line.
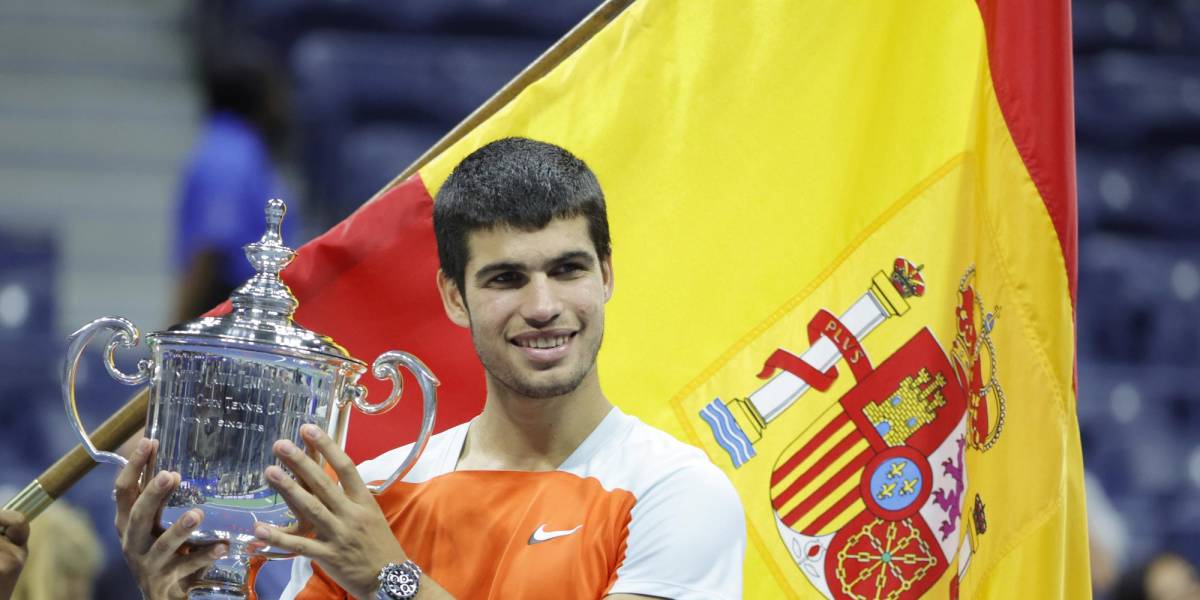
(1138, 300)
(1146, 526)
(280, 23)
(1130, 97)
(374, 155)
(532, 18)
(419, 85)
(1133, 24)
(1147, 193)
(1183, 526)
(1113, 24)
(27, 270)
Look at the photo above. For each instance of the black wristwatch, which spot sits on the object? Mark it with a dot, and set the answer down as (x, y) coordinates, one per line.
(399, 581)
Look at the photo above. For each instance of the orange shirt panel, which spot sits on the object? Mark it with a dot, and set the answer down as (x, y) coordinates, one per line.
(471, 531)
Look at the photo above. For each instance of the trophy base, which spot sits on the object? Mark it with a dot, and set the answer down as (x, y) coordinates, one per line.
(208, 593)
(226, 579)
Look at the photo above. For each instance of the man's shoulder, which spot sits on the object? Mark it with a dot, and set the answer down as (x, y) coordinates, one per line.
(646, 460)
(438, 458)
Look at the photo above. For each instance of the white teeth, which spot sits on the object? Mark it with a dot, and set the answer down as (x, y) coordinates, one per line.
(543, 343)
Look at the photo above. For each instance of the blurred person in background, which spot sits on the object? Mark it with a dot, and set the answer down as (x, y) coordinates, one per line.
(1166, 576)
(1108, 538)
(62, 556)
(230, 174)
(12, 550)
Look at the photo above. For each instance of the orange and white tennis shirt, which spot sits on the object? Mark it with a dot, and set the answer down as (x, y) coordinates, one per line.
(631, 511)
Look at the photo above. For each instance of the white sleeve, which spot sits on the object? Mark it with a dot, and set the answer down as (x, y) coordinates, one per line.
(687, 538)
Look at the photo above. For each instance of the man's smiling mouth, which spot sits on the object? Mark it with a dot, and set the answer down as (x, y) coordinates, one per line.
(544, 341)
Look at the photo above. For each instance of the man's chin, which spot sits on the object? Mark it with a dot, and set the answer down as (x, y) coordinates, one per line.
(545, 389)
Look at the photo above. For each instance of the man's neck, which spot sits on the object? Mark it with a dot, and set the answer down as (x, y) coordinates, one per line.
(518, 433)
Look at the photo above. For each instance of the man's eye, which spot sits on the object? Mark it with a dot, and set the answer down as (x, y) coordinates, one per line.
(507, 278)
(567, 269)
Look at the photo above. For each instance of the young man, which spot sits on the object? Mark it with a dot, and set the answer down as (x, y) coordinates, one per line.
(551, 492)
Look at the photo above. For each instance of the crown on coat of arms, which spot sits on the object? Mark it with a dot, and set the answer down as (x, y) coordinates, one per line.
(906, 278)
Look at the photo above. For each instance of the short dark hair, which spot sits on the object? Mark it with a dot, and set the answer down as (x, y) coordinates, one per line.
(514, 182)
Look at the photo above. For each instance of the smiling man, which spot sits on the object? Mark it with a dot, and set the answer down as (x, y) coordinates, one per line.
(551, 492)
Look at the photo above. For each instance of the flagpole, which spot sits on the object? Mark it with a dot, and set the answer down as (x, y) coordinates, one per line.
(59, 477)
(551, 58)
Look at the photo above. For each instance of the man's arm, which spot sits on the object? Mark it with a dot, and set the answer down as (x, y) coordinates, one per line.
(352, 540)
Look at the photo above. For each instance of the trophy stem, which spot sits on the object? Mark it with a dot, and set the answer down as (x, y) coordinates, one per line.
(226, 579)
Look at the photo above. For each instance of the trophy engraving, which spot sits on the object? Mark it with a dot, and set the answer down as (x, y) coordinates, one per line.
(223, 389)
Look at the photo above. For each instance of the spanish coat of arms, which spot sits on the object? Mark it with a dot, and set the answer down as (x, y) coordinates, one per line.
(869, 499)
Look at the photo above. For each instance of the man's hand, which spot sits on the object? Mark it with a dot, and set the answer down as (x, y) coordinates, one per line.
(160, 561)
(12, 550)
(352, 540)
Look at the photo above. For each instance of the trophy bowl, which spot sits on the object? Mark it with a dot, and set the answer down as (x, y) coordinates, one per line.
(223, 389)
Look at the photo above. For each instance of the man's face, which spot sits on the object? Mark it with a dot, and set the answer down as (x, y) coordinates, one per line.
(534, 301)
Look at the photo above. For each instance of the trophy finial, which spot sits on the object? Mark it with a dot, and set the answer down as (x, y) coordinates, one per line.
(276, 209)
(269, 255)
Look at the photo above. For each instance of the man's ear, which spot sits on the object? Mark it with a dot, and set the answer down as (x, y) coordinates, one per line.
(453, 301)
(606, 271)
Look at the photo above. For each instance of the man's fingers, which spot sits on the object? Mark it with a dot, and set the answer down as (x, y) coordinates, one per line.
(315, 479)
(144, 515)
(306, 506)
(125, 487)
(15, 527)
(347, 473)
(183, 565)
(290, 542)
(169, 542)
(10, 549)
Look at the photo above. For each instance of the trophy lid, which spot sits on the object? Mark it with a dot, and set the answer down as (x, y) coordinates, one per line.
(263, 307)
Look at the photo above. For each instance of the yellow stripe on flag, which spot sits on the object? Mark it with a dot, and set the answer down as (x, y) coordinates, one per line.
(825, 474)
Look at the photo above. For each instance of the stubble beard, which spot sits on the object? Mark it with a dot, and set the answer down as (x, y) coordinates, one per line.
(508, 376)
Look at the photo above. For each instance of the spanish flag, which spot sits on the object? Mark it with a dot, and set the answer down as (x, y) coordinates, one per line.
(844, 252)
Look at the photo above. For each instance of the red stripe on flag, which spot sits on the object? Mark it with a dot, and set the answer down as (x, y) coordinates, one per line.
(832, 513)
(1029, 54)
(782, 472)
(840, 449)
(827, 488)
(369, 283)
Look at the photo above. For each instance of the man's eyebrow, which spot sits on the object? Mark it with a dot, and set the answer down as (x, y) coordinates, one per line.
(498, 267)
(579, 255)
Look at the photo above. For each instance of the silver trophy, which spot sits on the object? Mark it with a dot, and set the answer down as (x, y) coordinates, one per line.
(224, 389)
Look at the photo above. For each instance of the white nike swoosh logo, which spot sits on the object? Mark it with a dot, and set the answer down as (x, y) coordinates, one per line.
(541, 535)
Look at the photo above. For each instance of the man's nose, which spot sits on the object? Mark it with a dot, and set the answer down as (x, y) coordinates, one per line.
(542, 304)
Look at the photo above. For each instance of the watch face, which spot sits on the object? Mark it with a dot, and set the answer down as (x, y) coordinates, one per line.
(399, 582)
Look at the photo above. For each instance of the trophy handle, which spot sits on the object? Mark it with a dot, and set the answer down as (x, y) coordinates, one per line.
(122, 333)
(385, 367)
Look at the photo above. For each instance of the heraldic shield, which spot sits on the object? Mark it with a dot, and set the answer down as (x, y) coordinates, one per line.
(868, 498)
